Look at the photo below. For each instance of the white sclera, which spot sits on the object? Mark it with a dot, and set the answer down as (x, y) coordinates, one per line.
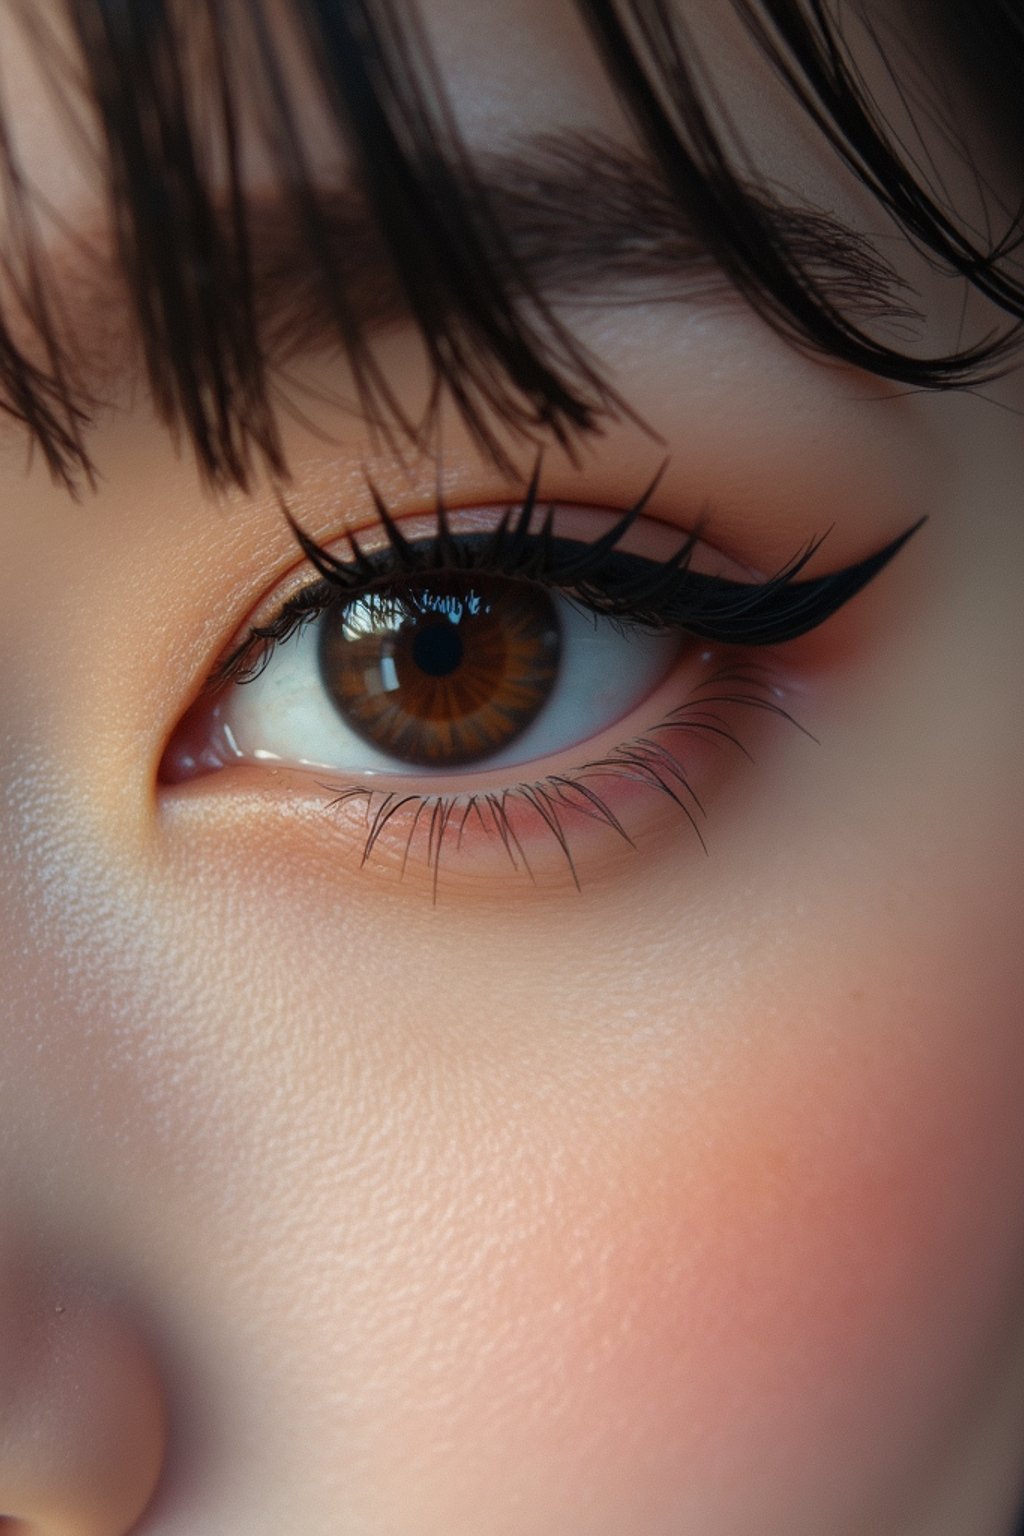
(286, 715)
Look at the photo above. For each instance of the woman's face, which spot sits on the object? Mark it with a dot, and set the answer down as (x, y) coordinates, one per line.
(686, 1204)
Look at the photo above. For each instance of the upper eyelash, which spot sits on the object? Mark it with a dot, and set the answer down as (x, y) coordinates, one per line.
(605, 579)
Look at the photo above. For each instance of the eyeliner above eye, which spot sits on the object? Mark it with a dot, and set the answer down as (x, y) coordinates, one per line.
(621, 565)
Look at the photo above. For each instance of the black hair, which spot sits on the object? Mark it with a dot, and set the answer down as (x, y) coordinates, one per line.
(177, 86)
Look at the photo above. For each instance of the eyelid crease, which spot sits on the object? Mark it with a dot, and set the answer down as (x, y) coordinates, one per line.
(630, 588)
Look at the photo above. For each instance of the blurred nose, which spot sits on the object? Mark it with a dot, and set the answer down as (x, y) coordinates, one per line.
(82, 1429)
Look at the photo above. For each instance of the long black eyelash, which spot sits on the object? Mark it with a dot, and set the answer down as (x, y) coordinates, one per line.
(610, 582)
(648, 761)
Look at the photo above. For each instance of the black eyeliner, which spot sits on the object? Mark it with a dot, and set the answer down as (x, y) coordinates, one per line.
(630, 588)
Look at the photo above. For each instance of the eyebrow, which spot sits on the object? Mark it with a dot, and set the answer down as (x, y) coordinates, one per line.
(585, 220)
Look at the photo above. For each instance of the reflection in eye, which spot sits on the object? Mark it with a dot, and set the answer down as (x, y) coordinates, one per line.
(425, 671)
(445, 673)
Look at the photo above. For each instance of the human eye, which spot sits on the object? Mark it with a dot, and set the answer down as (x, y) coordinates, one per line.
(485, 685)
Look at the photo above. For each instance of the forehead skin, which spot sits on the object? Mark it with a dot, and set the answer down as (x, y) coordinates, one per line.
(690, 1205)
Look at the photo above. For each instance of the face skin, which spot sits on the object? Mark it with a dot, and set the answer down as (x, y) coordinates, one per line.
(688, 1205)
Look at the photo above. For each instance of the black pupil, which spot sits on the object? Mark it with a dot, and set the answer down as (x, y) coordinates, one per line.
(437, 649)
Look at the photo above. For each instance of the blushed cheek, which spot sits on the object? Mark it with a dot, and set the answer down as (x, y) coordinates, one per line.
(781, 1304)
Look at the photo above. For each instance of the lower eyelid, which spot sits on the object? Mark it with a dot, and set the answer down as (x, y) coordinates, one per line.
(655, 778)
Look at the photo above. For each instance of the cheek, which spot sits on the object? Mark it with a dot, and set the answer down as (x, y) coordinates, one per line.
(751, 1303)
(727, 1257)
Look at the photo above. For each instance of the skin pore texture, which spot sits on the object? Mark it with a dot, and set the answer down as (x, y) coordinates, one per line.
(687, 1205)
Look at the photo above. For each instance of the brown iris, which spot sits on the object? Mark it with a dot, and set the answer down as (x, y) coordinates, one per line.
(442, 671)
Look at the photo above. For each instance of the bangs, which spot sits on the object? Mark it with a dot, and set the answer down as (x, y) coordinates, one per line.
(181, 92)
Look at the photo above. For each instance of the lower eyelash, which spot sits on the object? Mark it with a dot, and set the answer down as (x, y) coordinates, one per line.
(646, 761)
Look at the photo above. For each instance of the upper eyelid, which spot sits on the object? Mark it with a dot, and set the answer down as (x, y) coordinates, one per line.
(372, 534)
(373, 539)
(735, 612)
